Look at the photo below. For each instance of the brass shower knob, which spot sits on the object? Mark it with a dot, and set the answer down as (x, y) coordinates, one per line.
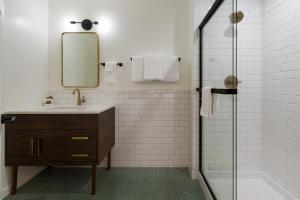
(231, 82)
(236, 17)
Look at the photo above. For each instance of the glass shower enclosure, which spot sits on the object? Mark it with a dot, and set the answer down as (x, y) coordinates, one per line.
(218, 69)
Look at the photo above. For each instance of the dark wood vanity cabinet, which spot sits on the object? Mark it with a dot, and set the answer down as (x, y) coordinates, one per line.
(59, 140)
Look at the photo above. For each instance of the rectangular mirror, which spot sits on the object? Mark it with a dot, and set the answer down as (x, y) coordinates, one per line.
(80, 60)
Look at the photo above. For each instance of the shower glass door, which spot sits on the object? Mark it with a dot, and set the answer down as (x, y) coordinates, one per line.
(218, 70)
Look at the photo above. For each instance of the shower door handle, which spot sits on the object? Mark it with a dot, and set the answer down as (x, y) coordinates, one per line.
(221, 91)
(224, 91)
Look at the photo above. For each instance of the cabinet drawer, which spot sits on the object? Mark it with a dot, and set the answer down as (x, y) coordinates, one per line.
(80, 157)
(80, 146)
(80, 138)
(81, 149)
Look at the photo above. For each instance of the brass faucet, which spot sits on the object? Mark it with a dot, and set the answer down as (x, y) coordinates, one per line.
(80, 100)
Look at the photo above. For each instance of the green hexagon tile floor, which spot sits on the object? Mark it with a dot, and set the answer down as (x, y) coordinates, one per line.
(116, 184)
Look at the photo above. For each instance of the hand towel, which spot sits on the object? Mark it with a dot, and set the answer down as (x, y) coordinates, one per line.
(137, 73)
(153, 67)
(208, 107)
(170, 69)
(110, 72)
(110, 66)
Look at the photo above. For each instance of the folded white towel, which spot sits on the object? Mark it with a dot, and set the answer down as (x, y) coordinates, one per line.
(137, 73)
(110, 72)
(209, 100)
(153, 67)
(110, 66)
(170, 69)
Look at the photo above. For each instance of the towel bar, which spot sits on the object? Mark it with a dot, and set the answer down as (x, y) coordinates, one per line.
(179, 59)
(224, 91)
(119, 64)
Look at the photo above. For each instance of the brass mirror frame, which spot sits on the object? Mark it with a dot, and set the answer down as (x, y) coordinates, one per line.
(62, 60)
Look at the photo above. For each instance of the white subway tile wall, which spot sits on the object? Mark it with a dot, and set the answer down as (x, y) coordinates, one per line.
(249, 72)
(152, 126)
(281, 93)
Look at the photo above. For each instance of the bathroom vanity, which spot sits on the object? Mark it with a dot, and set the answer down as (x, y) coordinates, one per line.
(59, 136)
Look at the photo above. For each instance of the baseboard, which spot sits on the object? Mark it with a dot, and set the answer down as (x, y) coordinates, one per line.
(204, 188)
(278, 188)
(6, 191)
(194, 174)
(24, 179)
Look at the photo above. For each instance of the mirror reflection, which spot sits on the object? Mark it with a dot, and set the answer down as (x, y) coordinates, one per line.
(80, 60)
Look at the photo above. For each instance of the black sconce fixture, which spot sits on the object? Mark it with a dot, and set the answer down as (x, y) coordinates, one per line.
(86, 24)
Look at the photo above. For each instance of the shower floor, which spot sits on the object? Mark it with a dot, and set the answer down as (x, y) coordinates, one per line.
(258, 189)
(247, 189)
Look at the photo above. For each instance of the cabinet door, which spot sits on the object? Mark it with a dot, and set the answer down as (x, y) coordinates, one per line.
(50, 147)
(20, 147)
(106, 133)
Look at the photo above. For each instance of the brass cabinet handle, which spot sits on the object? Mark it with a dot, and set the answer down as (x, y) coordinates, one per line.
(31, 147)
(80, 138)
(39, 147)
(80, 155)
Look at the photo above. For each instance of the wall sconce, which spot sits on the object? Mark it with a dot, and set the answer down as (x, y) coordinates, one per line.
(86, 24)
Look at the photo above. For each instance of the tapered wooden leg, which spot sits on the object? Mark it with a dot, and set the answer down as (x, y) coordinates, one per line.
(108, 160)
(94, 168)
(14, 180)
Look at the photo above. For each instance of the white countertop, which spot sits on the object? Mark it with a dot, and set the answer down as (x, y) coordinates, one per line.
(59, 109)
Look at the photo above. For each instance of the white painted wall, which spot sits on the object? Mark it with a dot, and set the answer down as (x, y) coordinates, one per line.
(24, 63)
(127, 28)
(25, 57)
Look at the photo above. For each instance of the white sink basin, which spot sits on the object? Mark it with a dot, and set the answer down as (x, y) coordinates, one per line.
(66, 107)
(59, 109)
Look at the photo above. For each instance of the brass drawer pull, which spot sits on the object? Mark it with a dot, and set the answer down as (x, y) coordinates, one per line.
(31, 147)
(80, 155)
(80, 138)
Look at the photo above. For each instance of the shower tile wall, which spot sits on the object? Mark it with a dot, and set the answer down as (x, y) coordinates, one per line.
(249, 71)
(281, 93)
(152, 126)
